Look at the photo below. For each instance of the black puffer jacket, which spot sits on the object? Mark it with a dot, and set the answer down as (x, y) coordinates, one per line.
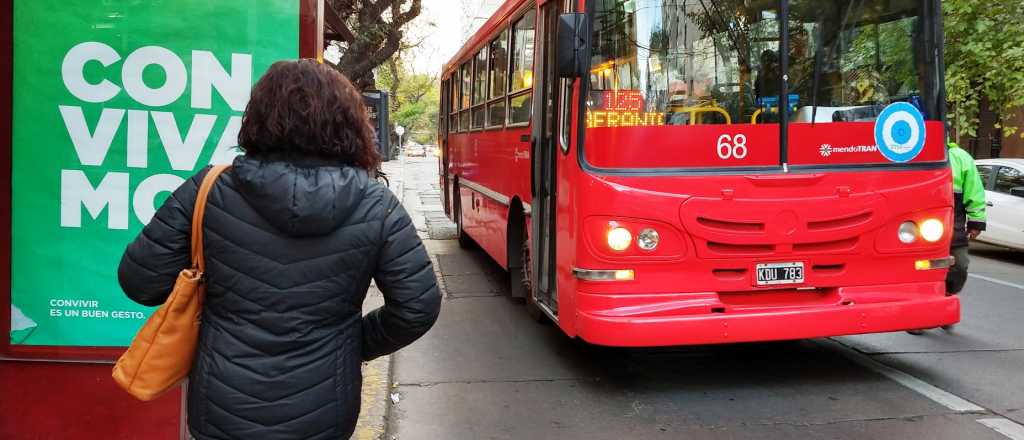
(291, 247)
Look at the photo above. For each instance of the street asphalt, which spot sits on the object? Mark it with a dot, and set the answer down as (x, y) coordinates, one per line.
(488, 371)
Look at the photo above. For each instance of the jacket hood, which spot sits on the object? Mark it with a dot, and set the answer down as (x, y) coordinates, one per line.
(301, 197)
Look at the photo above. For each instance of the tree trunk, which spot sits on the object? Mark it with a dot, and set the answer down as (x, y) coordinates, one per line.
(371, 32)
(396, 82)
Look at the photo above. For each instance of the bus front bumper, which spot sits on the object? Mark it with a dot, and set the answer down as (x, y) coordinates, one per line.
(631, 320)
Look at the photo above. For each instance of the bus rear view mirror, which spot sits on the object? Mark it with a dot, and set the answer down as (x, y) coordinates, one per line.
(571, 50)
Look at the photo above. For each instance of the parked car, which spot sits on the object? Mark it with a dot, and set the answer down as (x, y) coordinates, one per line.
(1004, 195)
(415, 151)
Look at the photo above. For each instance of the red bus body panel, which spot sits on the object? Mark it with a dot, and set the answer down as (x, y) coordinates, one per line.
(497, 160)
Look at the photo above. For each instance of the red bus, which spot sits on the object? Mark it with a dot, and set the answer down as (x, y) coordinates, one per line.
(699, 172)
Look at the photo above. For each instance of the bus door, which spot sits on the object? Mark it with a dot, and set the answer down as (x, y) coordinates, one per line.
(442, 139)
(545, 148)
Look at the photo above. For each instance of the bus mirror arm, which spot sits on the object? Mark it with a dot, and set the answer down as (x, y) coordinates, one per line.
(571, 48)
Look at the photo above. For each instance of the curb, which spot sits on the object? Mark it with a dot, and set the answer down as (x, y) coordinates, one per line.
(373, 411)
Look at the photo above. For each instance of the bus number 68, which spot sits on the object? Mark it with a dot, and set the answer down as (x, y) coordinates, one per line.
(732, 146)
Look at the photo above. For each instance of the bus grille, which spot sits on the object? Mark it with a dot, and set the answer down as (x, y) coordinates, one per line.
(755, 228)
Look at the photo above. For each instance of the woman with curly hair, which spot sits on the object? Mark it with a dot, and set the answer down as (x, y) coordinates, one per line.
(295, 231)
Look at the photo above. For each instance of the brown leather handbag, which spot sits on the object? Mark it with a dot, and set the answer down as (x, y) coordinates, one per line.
(162, 352)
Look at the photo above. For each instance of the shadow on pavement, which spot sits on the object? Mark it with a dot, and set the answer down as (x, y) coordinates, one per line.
(997, 253)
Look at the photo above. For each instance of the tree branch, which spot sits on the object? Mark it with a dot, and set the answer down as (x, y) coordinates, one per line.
(372, 31)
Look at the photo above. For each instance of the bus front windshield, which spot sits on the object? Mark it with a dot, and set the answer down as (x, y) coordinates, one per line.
(670, 78)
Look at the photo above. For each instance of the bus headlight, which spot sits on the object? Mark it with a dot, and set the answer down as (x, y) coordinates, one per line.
(932, 230)
(908, 232)
(648, 239)
(619, 239)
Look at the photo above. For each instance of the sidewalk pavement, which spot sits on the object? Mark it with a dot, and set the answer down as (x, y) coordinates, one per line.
(422, 200)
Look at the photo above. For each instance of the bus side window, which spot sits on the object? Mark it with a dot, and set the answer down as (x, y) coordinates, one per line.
(521, 96)
(564, 98)
(467, 93)
(445, 108)
(479, 88)
(453, 103)
(498, 81)
(441, 119)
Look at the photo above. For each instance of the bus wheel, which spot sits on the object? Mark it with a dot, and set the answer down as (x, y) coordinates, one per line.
(525, 277)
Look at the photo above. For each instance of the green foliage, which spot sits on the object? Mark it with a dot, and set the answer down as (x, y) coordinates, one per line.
(984, 59)
(890, 46)
(414, 102)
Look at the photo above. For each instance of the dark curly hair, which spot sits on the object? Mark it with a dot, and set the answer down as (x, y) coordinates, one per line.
(305, 108)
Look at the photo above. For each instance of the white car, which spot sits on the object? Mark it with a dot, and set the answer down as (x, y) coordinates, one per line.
(1004, 195)
(415, 151)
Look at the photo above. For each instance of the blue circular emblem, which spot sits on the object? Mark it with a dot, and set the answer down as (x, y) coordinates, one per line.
(900, 132)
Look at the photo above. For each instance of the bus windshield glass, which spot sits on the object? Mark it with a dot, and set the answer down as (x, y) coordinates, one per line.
(687, 84)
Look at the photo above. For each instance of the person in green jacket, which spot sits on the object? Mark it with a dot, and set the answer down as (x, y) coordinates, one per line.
(969, 217)
(969, 209)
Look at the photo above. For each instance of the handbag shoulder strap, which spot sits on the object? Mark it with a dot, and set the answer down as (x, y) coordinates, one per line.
(198, 259)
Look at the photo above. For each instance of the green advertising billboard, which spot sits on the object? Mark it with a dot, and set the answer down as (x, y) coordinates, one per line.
(115, 104)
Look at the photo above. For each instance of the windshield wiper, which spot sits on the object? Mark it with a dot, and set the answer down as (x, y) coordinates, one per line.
(819, 52)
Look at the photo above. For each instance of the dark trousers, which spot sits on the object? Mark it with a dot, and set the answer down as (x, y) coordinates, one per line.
(957, 276)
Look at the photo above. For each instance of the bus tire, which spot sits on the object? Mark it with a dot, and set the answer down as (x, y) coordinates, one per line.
(532, 308)
(518, 277)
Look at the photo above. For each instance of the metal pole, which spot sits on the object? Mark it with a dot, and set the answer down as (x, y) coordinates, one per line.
(784, 99)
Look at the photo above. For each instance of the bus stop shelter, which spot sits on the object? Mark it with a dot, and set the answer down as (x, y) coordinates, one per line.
(107, 108)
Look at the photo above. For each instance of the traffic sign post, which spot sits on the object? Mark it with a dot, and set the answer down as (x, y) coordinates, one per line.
(399, 130)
